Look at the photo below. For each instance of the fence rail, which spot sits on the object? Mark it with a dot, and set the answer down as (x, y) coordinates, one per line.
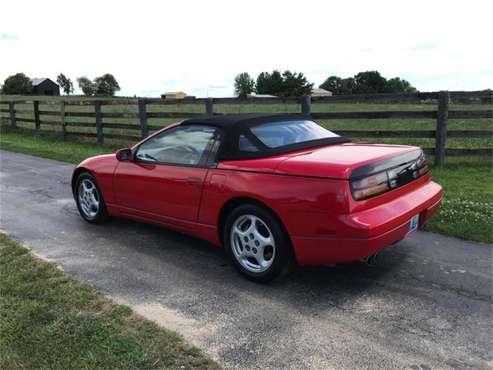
(141, 114)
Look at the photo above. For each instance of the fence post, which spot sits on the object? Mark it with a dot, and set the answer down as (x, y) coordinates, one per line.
(441, 130)
(99, 123)
(62, 119)
(306, 102)
(209, 107)
(143, 118)
(37, 122)
(13, 121)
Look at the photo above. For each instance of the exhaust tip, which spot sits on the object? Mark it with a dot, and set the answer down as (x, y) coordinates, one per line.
(371, 260)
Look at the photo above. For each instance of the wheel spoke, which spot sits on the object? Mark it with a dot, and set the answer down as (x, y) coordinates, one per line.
(263, 241)
(262, 262)
(86, 186)
(251, 228)
(239, 232)
(94, 201)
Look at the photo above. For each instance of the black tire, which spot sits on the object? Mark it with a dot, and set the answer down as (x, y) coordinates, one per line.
(282, 257)
(99, 216)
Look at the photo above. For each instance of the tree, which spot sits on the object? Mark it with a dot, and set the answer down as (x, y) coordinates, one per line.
(283, 85)
(244, 85)
(295, 84)
(18, 84)
(269, 83)
(370, 82)
(65, 83)
(334, 84)
(397, 85)
(339, 86)
(348, 86)
(106, 85)
(86, 85)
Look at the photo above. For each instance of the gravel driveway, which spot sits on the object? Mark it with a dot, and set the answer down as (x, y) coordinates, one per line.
(428, 303)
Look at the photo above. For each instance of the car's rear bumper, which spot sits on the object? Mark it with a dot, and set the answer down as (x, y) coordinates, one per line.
(371, 229)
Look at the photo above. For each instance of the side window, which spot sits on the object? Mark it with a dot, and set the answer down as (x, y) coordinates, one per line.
(246, 145)
(182, 145)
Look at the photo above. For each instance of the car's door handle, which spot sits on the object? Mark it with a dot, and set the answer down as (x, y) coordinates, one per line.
(193, 181)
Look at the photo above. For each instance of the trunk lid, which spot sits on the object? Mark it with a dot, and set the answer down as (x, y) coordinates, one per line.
(339, 161)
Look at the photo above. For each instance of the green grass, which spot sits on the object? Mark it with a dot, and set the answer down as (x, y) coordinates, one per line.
(46, 145)
(130, 106)
(467, 211)
(49, 320)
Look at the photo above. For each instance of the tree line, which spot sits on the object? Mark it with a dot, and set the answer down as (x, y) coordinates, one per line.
(105, 85)
(370, 82)
(285, 84)
(295, 84)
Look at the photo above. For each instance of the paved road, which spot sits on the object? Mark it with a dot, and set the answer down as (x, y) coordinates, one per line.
(427, 304)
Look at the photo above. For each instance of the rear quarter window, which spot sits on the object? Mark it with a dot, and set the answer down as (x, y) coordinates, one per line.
(246, 145)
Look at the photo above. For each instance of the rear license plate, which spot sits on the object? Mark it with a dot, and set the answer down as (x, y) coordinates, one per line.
(414, 223)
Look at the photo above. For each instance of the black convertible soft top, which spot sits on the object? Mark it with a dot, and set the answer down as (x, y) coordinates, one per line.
(232, 126)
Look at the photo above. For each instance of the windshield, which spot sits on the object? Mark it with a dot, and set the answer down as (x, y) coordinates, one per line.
(282, 133)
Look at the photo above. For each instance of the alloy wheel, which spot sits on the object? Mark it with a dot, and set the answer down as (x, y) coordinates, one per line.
(89, 199)
(252, 243)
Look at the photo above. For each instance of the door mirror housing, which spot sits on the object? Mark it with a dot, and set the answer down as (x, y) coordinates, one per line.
(124, 154)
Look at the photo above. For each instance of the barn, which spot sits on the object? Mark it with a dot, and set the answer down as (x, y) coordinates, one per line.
(174, 95)
(44, 86)
(321, 92)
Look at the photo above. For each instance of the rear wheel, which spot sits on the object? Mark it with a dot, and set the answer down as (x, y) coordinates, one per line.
(89, 199)
(257, 243)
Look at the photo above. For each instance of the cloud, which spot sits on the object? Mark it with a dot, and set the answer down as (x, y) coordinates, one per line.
(8, 37)
(427, 46)
(220, 86)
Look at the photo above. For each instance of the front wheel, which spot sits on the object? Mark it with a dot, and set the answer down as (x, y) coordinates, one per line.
(257, 243)
(89, 199)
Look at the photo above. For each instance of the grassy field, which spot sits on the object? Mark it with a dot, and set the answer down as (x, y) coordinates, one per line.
(49, 320)
(467, 211)
(130, 106)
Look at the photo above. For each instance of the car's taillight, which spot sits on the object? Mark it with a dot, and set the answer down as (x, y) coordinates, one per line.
(370, 186)
(423, 170)
(422, 164)
(378, 183)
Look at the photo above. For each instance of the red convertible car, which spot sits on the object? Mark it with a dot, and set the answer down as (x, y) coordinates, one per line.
(270, 189)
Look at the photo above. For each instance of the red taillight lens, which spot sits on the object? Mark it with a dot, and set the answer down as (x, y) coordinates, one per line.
(370, 186)
(370, 181)
(369, 192)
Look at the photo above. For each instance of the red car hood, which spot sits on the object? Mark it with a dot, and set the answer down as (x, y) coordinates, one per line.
(333, 161)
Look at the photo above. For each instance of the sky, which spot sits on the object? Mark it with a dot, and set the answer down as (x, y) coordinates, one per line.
(199, 46)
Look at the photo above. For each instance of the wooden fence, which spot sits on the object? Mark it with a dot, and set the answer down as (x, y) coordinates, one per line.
(142, 114)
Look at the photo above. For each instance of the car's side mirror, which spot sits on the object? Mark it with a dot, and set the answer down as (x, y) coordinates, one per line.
(124, 154)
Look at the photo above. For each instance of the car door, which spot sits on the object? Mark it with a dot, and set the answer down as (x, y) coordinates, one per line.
(166, 174)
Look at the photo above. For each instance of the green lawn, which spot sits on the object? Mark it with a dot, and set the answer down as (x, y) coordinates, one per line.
(50, 146)
(467, 210)
(130, 106)
(50, 320)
